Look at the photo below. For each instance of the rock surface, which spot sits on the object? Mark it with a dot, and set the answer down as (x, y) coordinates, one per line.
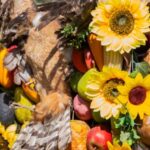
(43, 55)
(47, 61)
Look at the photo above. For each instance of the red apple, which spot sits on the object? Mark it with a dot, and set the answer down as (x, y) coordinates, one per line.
(82, 108)
(78, 60)
(97, 139)
(89, 60)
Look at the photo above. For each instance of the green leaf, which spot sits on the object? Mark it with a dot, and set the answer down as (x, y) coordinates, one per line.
(126, 126)
(130, 141)
(143, 68)
(133, 74)
(124, 136)
(132, 122)
(135, 135)
(74, 37)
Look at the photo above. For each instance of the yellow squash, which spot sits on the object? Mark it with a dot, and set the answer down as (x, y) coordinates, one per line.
(5, 76)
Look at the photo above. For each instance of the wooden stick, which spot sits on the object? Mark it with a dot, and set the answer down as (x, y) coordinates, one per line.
(17, 105)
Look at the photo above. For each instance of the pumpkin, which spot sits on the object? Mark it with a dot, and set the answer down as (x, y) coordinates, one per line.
(96, 50)
(31, 93)
(5, 76)
(79, 135)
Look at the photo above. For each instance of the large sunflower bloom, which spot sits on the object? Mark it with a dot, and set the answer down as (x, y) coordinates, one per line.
(135, 94)
(124, 146)
(120, 24)
(106, 102)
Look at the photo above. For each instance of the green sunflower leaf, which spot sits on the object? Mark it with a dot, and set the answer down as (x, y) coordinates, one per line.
(142, 67)
(124, 136)
(120, 122)
(126, 128)
(134, 73)
(135, 135)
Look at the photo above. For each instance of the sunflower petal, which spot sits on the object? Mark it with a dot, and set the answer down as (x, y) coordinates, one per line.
(96, 103)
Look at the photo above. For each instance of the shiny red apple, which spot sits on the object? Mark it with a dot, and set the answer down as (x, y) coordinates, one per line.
(97, 139)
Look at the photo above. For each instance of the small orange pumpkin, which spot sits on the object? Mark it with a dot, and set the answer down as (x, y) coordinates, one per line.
(6, 79)
(31, 93)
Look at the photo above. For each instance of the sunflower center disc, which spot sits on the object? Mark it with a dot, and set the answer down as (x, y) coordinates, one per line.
(137, 95)
(122, 22)
(110, 89)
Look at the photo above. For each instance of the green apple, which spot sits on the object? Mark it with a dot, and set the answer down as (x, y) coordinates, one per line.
(22, 114)
(88, 86)
(96, 117)
(74, 79)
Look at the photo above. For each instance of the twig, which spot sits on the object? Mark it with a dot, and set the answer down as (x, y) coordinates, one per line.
(17, 105)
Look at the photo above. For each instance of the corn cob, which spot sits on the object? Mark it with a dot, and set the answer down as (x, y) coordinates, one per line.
(102, 57)
(113, 59)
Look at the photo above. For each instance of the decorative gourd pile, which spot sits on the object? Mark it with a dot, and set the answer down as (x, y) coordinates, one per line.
(13, 118)
(110, 82)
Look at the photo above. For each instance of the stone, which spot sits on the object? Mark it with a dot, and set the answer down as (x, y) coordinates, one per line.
(46, 59)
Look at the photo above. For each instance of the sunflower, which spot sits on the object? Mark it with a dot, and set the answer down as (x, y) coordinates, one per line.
(135, 94)
(106, 102)
(124, 146)
(120, 24)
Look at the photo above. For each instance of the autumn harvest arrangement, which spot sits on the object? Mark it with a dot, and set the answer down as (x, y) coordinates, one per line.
(109, 76)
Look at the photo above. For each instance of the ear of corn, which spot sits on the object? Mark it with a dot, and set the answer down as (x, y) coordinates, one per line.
(113, 59)
(102, 57)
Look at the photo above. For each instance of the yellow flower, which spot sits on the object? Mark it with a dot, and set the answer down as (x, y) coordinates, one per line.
(106, 100)
(125, 146)
(9, 134)
(2, 129)
(24, 125)
(135, 94)
(120, 24)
